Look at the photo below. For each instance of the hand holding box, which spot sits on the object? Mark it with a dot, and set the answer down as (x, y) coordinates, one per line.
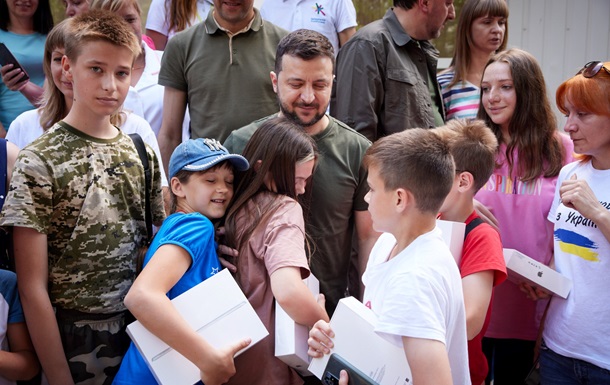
(218, 310)
(291, 337)
(522, 268)
(356, 341)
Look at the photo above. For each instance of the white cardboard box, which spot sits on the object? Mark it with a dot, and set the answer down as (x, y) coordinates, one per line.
(291, 337)
(523, 268)
(356, 341)
(218, 310)
(453, 235)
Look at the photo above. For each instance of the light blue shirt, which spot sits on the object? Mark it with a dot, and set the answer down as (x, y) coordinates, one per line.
(29, 52)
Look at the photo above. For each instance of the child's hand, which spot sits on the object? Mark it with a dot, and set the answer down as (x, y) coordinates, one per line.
(485, 213)
(220, 367)
(225, 263)
(320, 339)
(225, 250)
(321, 301)
(533, 292)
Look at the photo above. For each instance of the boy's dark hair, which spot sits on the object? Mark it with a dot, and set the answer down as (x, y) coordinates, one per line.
(43, 18)
(99, 25)
(405, 4)
(473, 146)
(304, 44)
(417, 160)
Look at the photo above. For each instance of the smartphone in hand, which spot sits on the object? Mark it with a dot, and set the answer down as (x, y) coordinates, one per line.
(6, 57)
(335, 364)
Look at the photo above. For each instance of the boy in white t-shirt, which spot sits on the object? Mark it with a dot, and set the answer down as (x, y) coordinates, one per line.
(412, 282)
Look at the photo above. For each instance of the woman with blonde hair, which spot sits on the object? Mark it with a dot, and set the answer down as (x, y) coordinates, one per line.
(481, 32)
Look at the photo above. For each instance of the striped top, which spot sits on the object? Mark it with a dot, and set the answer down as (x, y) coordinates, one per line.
(461, 100)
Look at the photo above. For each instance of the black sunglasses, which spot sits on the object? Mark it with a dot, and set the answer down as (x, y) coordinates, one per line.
(592, 68)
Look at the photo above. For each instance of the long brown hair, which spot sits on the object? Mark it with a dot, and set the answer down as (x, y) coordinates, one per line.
(181, 13)
(274, 150)
(471, 10)
(533, 126)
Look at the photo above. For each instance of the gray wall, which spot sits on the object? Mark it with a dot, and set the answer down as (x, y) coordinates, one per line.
(562, 34)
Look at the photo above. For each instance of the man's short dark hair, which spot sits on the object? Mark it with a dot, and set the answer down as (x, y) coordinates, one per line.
(405, 4)
(304, 44)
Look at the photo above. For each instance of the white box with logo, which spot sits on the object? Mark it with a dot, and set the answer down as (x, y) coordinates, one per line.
(523, 268)
(218, 310)
(356, 341)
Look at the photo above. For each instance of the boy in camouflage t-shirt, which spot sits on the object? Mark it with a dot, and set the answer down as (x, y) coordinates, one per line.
(76, 204)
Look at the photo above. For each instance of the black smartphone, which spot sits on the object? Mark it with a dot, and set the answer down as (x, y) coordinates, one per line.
(335, 364)
(6, 57)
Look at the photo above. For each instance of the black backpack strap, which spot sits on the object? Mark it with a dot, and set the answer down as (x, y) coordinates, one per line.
(471, 226)
(3, 172)
(141, 148)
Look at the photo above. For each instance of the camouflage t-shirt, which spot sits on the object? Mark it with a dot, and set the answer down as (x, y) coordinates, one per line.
(87, 195)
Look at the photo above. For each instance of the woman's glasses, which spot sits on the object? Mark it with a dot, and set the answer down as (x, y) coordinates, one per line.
(592, 68)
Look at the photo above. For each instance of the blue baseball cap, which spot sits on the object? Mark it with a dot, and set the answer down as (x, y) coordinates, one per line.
(201, 154)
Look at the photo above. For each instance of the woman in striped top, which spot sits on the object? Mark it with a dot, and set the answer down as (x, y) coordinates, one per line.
(481, 32)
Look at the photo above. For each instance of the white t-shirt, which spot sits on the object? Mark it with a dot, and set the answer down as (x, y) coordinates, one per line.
(577, 326)
(26, 127)
(158, 15)
(327, 17)
(418, 294)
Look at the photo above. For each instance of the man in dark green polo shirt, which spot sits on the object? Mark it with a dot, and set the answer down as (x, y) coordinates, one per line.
(220, 69)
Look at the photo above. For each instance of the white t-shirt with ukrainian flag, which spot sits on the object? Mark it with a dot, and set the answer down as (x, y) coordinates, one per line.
(577, 326)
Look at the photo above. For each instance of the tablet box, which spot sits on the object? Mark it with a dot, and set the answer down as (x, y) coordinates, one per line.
(356, 341)
(291, 337)
(218, 310)
(523, 268)
(453, 235)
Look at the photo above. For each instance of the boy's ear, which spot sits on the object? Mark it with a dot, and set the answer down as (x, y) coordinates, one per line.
(465, 181)
(66, 67)
(403, 199)
(176, 187)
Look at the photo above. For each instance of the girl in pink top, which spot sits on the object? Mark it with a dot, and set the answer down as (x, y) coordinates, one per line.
(519, 193)
(265, 224)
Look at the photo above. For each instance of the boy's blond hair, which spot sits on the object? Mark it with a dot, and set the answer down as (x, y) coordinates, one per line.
(473, 146)
(416, 160)
(99, 25)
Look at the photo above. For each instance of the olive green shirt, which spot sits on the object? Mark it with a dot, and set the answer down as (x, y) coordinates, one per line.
(87, 195)
(226, 78)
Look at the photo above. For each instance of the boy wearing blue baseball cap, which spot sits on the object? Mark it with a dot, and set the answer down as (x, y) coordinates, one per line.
(182, 255)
